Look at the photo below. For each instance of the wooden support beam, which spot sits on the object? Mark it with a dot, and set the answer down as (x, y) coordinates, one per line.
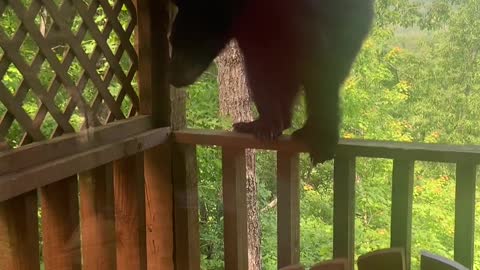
(235, 208)
(288, 214)
(97, 218)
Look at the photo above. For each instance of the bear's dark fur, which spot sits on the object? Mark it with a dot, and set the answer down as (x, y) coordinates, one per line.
(286, 44)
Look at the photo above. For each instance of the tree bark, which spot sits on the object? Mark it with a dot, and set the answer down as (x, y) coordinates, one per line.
(235, 103)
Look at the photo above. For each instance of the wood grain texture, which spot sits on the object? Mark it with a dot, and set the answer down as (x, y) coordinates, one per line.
(97, 218)
(42, 152)
(130, 227)
(187, 235)
(17, 183)
(351, 147)
(234, 209)
(159, 207)
(19, 241)
(60, 225)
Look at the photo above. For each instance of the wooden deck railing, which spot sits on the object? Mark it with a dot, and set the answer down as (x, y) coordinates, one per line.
(404, 155)
(95, 208)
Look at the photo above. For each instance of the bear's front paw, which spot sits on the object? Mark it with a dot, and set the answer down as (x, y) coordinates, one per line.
(322, 144)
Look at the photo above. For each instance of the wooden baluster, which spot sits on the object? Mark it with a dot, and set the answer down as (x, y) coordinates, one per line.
(465, 212)
(19, 245)
(159, 207)
(344, 209)
(402, 199)
(60, 225)
(288, 213)
(187, 238)
(235, 209)
(129, 190)
(97, 218)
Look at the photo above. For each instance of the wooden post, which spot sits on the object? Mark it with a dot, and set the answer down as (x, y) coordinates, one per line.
(97, 218)
(234, 209)
(402, 199)
(187, 238)
(288, 214)
(60, 225)
(153, 52)
(344, 209)
(19, 248)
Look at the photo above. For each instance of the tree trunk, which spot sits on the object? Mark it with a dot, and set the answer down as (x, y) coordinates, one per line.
(235, 103)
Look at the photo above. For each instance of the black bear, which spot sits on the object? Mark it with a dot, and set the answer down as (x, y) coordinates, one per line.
(286, 44)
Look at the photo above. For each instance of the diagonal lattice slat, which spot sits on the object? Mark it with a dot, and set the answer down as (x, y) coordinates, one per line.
(65, 65)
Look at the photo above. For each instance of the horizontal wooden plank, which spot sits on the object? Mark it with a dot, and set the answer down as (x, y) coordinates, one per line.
(346, 147)
(31, 178)
(63, 146)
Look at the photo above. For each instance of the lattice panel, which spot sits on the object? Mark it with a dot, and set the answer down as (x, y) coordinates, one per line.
(65, 65)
